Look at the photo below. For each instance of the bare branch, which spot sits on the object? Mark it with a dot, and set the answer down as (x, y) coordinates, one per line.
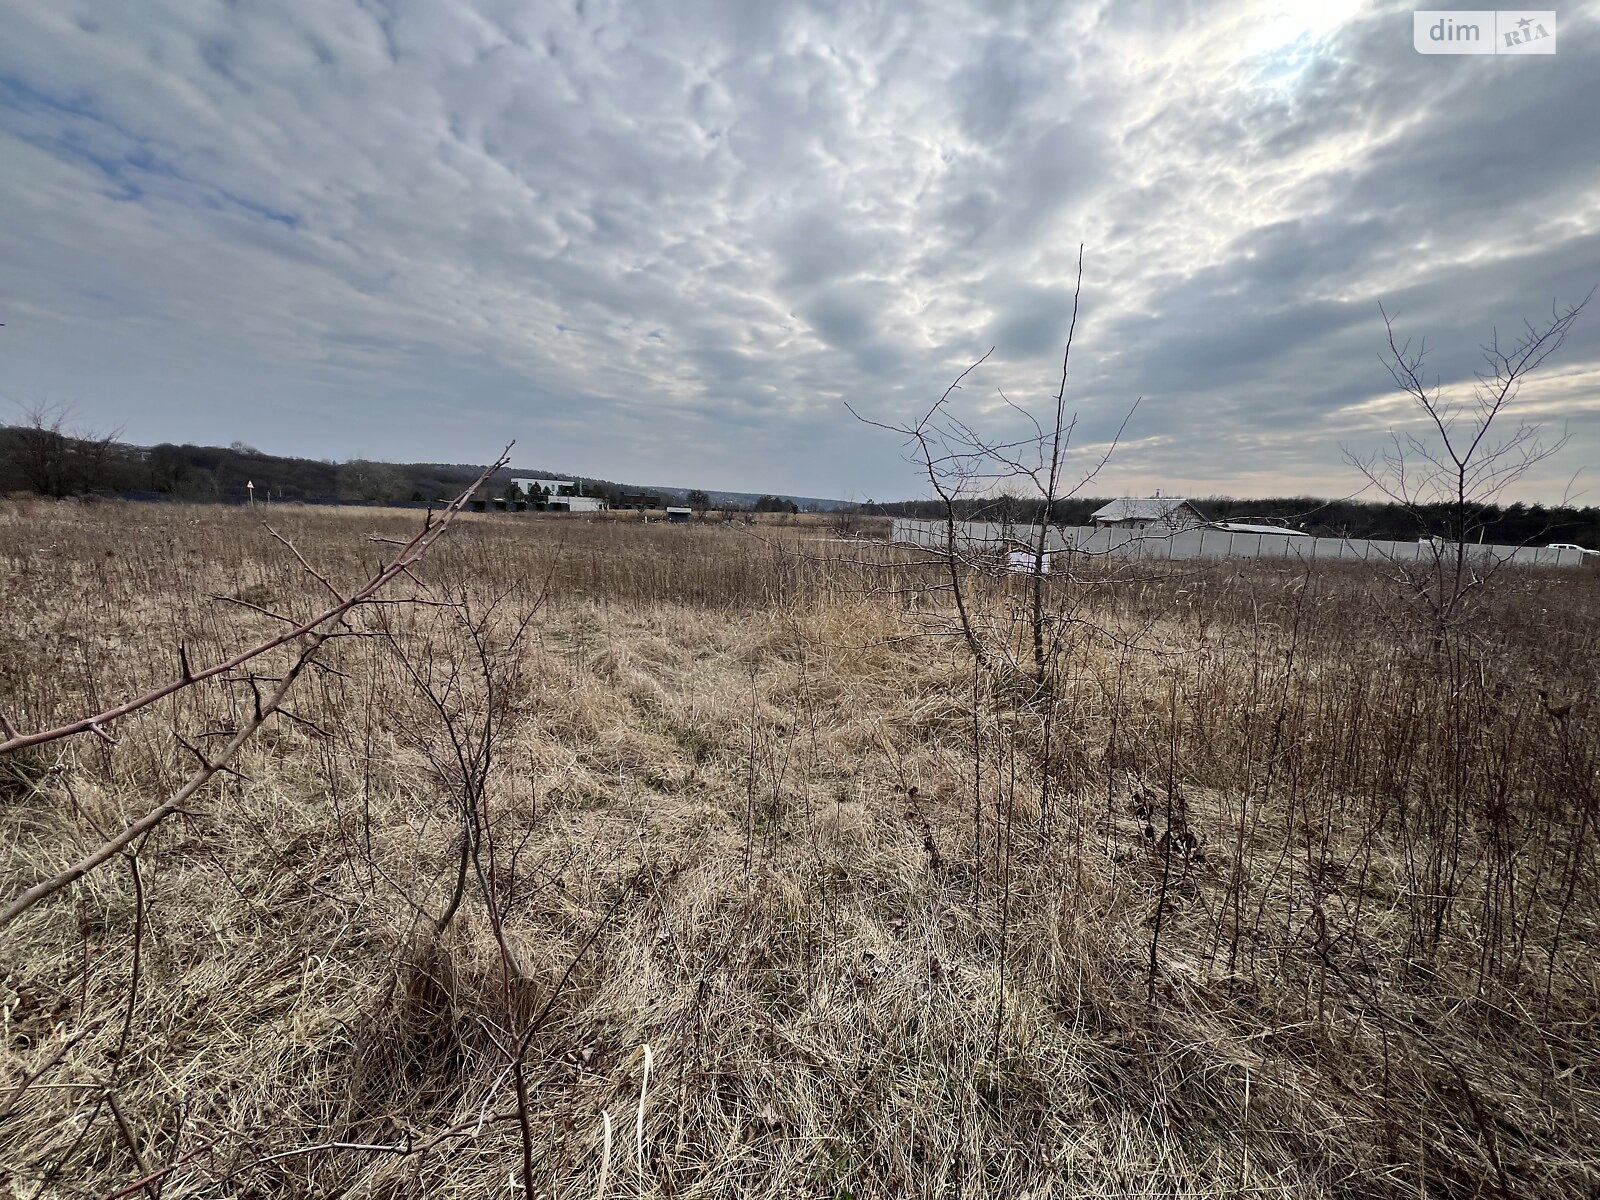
(209, 767)
(410, 553)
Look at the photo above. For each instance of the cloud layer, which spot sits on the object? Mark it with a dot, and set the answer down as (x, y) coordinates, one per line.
(667, 242)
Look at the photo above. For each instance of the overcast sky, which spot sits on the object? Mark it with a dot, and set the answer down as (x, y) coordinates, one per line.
(665, 243)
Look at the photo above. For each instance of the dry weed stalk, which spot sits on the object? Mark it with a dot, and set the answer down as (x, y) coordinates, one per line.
(1374, 972)
(409, 554)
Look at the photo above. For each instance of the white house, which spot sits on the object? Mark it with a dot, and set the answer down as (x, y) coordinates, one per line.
(1161, 514)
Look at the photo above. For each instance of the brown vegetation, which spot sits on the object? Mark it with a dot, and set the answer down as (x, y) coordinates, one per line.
(643, 860)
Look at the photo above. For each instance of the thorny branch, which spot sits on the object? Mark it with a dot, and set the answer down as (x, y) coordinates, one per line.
(263, 708)
(409, 554)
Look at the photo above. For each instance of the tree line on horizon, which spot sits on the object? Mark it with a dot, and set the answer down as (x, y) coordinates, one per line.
(1510, 524)
(45, 456)
(59, 466)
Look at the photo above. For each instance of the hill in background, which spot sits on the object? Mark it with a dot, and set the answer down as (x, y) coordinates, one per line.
(52, 462)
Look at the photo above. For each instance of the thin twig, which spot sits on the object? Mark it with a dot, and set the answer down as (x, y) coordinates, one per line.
(411, 552)
(49, 887)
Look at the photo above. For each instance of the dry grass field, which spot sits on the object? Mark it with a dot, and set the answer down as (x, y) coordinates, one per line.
(634, 860)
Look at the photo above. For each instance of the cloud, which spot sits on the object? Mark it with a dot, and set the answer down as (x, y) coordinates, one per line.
(666, 242)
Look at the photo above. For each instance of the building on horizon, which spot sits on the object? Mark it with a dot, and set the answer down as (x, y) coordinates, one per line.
(1163, 514)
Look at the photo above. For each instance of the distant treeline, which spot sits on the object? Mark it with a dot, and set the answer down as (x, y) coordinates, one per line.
(1512, 524)
(48, 456)
(47, 459)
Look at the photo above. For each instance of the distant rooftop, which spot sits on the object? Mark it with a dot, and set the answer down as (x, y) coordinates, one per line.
(1246, 527)
(1145, 508)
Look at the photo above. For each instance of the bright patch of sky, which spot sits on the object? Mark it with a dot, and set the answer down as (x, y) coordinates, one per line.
(666, 242)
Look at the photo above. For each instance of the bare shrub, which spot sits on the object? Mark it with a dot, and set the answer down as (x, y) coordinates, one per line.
(52, 455)
(741, 809)
(1471, 451)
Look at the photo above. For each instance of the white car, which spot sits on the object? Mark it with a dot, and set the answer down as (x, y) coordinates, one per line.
(1571, 546)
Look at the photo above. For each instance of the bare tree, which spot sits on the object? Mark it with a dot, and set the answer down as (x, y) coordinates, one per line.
(56, 457)
(1008, 475)
(362, 479)
(1472, 449)
(1022, 649)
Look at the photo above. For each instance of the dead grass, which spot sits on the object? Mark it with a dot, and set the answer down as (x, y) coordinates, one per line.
(754, 767)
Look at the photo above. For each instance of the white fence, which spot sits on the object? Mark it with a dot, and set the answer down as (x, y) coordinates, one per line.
(1212, 544)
